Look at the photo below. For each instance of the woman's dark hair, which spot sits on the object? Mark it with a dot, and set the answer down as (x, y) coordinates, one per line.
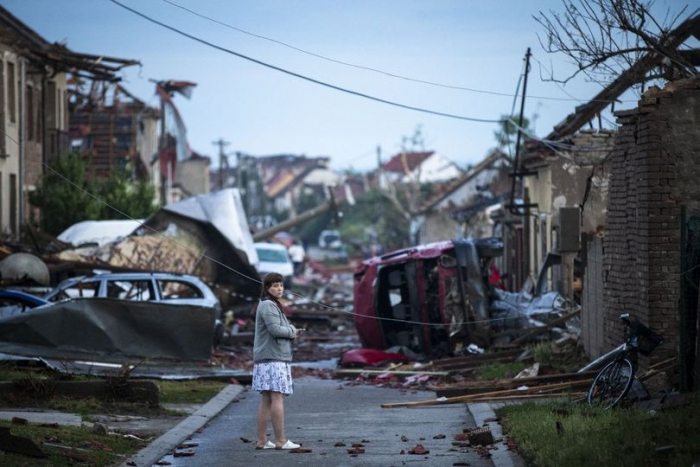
(268, 280)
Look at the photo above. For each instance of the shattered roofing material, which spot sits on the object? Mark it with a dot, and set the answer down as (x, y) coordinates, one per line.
(36, 48)
(223, 210)
(99, 232)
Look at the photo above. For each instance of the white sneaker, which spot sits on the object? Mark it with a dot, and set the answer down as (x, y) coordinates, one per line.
(290, 445)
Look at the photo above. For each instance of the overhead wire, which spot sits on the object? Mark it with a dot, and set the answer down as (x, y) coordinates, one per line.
(243, 275)
(300, 76)
(354, 65)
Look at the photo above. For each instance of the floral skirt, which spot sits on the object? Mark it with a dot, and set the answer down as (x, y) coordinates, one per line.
(273, 376)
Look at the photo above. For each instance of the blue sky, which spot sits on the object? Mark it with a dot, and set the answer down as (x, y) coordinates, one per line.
(470, 43)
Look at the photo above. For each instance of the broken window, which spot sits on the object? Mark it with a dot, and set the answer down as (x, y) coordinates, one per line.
(79, 290)
(398, 301)
(139, 290)
(170, 290)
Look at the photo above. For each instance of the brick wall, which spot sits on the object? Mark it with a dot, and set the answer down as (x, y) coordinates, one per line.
(655, 168)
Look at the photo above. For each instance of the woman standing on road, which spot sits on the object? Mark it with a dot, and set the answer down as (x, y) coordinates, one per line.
(272, 352)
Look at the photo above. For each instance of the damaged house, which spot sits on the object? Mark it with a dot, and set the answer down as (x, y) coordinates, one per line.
(35, 77)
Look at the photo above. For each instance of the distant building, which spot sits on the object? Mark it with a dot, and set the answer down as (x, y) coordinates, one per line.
(421, 167)
(192, 177)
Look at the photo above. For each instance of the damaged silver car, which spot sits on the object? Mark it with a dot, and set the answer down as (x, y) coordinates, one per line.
(157, 287)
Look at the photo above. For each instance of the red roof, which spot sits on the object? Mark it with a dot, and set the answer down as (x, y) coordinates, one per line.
(413, 160)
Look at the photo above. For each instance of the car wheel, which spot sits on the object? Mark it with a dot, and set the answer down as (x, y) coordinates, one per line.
(218, 333)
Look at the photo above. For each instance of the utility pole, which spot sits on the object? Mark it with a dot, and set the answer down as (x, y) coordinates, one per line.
(223, 161)
(516, 172)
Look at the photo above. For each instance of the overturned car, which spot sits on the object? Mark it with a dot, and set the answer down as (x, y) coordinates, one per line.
(430, 299)
(437, 299)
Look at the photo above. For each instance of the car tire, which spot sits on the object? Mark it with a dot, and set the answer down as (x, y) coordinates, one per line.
(218, 333)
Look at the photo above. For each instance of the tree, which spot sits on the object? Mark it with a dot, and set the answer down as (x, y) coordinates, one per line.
(374, 215)
(66, 196)
(605, 37)
(507, 132)
(63, 196)
(310, 230)
(121, 195)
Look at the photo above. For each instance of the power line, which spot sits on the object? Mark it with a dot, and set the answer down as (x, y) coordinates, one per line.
(300, 76)
(361, 67)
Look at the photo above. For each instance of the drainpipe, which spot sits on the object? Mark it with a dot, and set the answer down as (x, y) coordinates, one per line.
(22, 140)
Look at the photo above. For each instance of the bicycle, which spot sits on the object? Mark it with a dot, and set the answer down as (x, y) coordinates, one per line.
(614, 380)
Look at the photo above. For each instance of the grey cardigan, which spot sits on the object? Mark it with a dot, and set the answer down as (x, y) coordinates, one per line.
(273, 334)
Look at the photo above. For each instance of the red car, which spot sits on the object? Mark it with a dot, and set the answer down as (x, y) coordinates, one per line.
(431, 299)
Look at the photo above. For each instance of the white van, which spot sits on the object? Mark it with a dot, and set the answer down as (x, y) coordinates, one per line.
(273, 257)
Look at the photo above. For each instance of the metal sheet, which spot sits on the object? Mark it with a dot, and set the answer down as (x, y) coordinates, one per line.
(110, 330)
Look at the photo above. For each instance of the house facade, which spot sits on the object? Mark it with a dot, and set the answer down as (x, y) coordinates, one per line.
(34, 112)
(449, 214)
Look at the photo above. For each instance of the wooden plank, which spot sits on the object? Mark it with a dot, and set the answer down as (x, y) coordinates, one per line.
(478, 387)
(473, 397)
(482, 399)
(357, 371)
(477, 357)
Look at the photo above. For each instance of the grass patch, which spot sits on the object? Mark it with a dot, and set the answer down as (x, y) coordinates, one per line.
(188, 392)
(87, 448)
(171, 392)
(500, 370)
(597, 437)
(559, 360)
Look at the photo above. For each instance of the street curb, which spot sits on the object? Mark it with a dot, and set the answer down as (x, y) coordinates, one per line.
(501, 457)
(176, 435)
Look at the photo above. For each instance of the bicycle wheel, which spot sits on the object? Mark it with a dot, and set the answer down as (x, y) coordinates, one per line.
(611, 384)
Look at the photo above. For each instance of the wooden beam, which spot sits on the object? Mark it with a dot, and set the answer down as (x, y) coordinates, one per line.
(357, 371)
(474, 397)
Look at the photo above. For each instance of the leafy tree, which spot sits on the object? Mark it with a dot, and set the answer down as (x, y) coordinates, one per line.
(122, 195)
(374, 215)
(507, 134)
(66, 195)
(310, 230)
(63, 196)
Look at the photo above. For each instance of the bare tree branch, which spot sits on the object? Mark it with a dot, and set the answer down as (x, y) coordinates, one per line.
(605, 37)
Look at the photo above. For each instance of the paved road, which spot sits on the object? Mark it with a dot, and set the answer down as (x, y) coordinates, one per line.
(321, 414)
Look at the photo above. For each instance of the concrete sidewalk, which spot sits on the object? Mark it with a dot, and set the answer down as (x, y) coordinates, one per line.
(176, 435)
(320, 415)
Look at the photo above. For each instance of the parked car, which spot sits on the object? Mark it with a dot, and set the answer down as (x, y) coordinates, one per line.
(273, 257)
(14, 301)
(330, 240)
(151, 287)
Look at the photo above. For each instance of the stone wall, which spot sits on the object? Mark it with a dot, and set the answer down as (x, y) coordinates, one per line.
(655, 171)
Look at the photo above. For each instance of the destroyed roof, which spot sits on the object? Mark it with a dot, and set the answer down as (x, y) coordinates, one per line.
(412, 160)
(487, 162)
(224, 210)
(584, 113)
(37, 49)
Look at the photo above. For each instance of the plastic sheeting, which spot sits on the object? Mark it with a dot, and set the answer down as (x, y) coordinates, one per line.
(110, 331)
(98, 232)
